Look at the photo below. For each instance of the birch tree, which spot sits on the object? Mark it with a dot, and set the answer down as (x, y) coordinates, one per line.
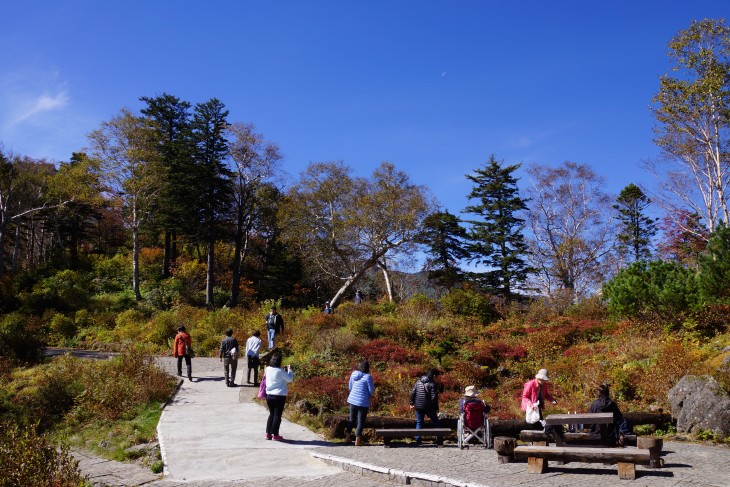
(344, 225)
(570, 219)
(692, 113)
(253, 161)
(126, 149)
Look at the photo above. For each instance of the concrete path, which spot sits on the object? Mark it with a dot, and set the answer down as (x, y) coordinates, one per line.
(211, 435)
(213, 432)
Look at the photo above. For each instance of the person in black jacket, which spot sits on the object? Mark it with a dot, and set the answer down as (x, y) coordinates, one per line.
(425, 400)
(620, 426)
(228, 354)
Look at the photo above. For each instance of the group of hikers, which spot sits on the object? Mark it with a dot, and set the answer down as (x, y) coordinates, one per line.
(423, 398)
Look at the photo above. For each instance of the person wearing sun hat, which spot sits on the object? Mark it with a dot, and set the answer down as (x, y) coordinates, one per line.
(535, 393)
(472, 407)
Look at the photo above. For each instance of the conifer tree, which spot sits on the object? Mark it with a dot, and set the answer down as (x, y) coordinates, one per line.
(496, 239)
(637, 229)
(445, 238)
(714, 275)
(171, 119)
(214, 179)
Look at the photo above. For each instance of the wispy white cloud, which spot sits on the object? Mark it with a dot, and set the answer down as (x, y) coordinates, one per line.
(34, 106)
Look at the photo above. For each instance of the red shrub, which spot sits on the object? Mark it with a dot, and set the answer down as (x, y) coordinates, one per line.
(388, 352)
(327, 393)
(492, 354)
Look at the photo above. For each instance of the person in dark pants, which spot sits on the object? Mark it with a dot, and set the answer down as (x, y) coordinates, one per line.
(228, 354)
(277, 380)
(361, 389)
(253, 345)
(183, 343)
(425, 400)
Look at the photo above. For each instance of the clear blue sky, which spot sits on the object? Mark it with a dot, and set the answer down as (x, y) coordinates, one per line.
(432, 86)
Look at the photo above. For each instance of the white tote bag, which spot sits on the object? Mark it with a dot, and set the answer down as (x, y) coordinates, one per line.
(533, 414)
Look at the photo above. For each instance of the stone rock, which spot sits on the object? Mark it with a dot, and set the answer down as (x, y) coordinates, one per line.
(700, 403)
(306, 407)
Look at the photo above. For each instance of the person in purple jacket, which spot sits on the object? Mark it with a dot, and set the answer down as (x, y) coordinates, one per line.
(361, 389)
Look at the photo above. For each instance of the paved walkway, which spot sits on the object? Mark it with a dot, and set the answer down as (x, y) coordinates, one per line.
(211, 435)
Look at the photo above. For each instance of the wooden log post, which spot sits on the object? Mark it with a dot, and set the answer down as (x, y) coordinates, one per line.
(505, 448)
(626, 471)
(654, 445)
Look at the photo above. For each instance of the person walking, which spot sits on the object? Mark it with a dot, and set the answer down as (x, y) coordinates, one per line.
(361, 389)
(277, 388)
(181, 350)
(534, 395)
(274, 326)
(327, 308)
(228, 354)
(253, 345)
(425, 400)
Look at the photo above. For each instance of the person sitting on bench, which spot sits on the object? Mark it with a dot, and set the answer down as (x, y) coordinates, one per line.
(620, 427)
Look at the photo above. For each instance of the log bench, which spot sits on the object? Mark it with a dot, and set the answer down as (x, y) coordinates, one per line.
(389, 434)
(626, 458)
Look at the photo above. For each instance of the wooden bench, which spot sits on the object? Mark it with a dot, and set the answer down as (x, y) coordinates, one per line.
(626, 458)
(389, 434)
(539, 438)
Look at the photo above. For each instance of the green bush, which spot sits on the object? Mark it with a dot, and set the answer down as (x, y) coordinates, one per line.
(65, 290)
(21, 337)
(29, 459)
(112, 274)
(62, 327)
(469, 302)
(664, 288)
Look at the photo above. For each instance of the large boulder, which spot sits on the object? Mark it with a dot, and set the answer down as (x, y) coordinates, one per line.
(700, 403)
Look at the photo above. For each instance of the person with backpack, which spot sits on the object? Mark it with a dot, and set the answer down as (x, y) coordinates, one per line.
(361, 389)
(182, 349)
(274, 326)
(425, 400)
(228, 354)
(473, 408)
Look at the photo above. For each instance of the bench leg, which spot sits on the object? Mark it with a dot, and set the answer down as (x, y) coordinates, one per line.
(626, 471)
(536, 465)
(386, 442)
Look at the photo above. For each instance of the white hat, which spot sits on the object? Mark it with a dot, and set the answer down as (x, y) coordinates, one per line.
(471, 391)
(542, 374)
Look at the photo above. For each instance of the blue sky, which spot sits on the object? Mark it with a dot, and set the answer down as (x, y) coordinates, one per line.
(432, 86)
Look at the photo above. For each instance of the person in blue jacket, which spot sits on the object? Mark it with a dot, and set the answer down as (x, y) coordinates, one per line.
(361, 389)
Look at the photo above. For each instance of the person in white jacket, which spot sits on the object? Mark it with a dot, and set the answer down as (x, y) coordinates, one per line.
(277, 388)
(253, 345)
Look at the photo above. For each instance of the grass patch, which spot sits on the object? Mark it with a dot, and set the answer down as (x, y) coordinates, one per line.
(110, 439)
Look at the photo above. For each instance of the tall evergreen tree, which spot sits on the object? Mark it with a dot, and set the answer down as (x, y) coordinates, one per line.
(214, 179)
(636, 229)
(445, 238)
(496, 239)
(171, 118)
(714, 275)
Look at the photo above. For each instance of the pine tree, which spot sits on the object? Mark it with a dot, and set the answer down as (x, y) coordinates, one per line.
(445, 238)
(637, 229)
(175, 216)
(714, 275)
(496, 239)
(214, 179)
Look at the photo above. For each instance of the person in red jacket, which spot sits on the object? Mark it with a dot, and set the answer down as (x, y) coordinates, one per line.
(180, 350)
(534, 395)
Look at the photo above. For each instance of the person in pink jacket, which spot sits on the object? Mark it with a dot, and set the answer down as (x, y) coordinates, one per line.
(534, 395)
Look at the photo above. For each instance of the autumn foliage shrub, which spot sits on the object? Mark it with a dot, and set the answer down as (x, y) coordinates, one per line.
(29, 459)
(327, 393)
(386, 352)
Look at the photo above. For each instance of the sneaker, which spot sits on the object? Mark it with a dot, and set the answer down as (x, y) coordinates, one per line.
(277, 438)
(267, 436)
